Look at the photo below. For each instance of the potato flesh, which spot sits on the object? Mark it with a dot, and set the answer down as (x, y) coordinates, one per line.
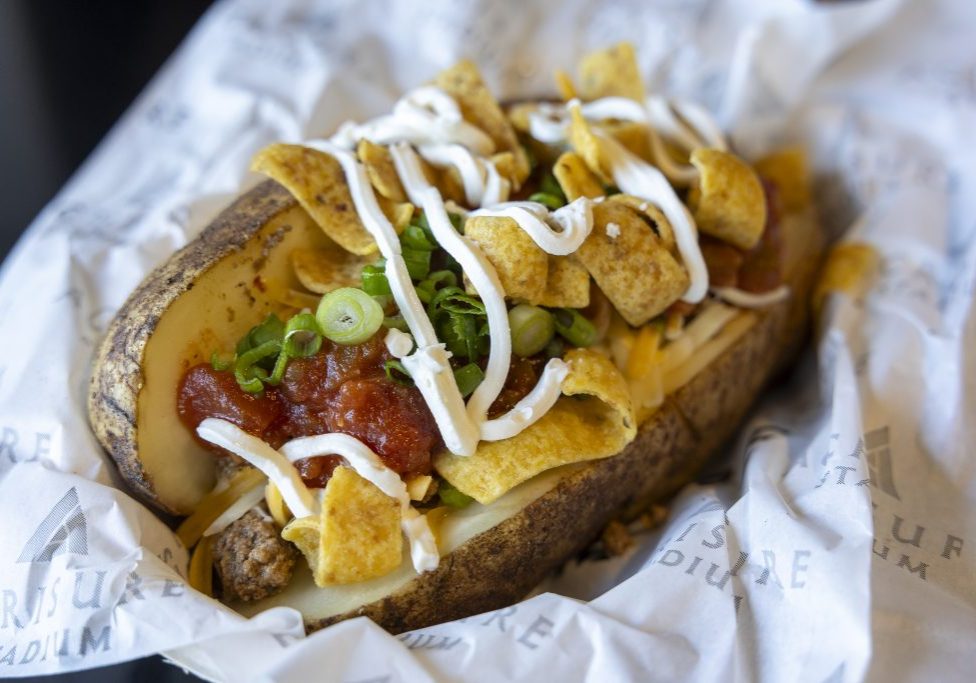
(232, 295)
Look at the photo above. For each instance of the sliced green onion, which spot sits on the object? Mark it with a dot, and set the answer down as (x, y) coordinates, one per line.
(451, 496)
(576, 329)
(302, 336)
(418, 262)
(396, 372)
(219, 362)
(396, 322)
(415, 237)
(468, 378)
(374, 280)
(555, 348)
(550, 201)
(349, 316)
(278, 373)
(454, 300)
(271, 329)
(460, 334)
(439, 278)
(457, 222)
(246, 371)
(550, 185)
(532, 329)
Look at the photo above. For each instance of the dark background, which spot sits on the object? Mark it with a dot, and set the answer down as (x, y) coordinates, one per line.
(68, 71)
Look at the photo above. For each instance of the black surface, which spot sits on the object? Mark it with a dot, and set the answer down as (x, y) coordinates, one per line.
(68, 70)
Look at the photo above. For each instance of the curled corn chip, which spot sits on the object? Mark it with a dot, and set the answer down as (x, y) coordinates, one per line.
(574, 430)
(419, 485)
(478, 106)
(588, 145)
(850, 268)
(631, 264)
(632, 135)
(316, 180)
(564, 84)
(575, 178)
(355, 537)
(611, 73)
(322, 270)
(521, 265)
(381, 171)
(399, 214)
(567, 284)
(661, 224)
(728, 202)
(788, 170)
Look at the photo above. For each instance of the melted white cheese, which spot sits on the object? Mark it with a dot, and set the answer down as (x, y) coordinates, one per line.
(273, 464)
(743, 299)
(361, 458)
(398, 343)
(574, 222)
(237, 510)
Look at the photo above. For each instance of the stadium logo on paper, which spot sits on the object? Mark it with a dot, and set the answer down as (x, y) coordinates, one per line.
(64, 530)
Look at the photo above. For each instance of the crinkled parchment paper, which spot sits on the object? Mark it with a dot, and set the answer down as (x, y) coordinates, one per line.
(841, 547)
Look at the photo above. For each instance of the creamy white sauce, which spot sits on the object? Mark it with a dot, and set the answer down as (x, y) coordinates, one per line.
(423, 115)
(398, 343)
(560, 232)
(483, 184)
(635, 177)
(273, 464)
(613, 231)
(743, 299)
(532, 407)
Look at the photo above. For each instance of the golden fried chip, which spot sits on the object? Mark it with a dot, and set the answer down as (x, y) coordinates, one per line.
(318, 183)
(588, 145)
(787, 168)
(851, 267)
(478, 106)
(381, 171)
(567, 284)
(630, 134)
(728, 201)
(399, 214)
(506, 167)
(357, 535)
(564, 84)
(574, 430)
(518, 115)
(660, 223)
(631, 264)
(521, 265)
(322, 270)
(611, 73)
(575, 178)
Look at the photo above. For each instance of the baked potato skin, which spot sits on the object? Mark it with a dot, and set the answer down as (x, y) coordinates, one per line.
(499, 566)
(117, 375)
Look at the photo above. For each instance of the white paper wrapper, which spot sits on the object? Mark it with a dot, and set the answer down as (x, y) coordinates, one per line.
(842, 546)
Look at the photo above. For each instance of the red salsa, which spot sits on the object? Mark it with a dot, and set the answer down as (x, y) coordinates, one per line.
(339, 389)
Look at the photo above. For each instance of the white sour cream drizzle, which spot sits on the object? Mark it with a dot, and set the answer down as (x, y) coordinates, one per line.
(633, 176)
(743, 299)
(574, 222)
(277, 465)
